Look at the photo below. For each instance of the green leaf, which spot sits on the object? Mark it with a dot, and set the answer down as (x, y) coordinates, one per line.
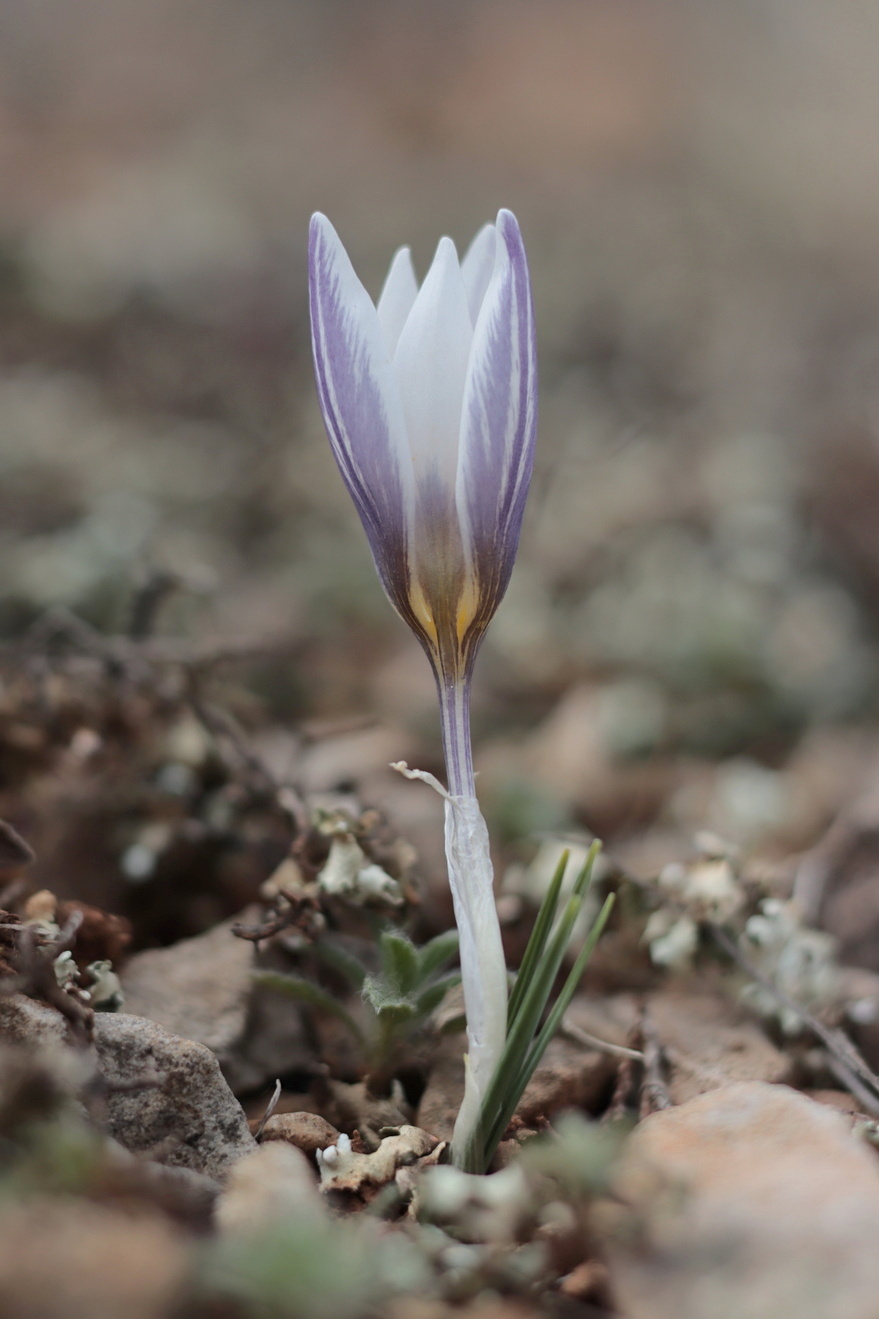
(399, 960)
(340, 960)
(431, 997)
(305, 992)
(386, 1000)
(560, 1007)
(553, 1021)
(539, 936)
(538, 982)
(433, 956)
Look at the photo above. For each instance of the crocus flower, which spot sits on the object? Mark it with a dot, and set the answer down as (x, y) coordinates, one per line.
(430, 401)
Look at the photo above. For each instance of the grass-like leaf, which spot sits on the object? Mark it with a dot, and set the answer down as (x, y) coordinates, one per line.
(526, 1040)
(550, 1026)
(539, 935)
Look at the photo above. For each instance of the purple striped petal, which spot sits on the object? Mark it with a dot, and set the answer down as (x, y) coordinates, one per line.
(498, 424)
(361, 406)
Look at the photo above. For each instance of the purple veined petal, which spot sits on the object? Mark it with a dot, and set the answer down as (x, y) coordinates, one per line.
(498, 425)
(397, 298)
(477, 267)
(430, 366)
(361, 405)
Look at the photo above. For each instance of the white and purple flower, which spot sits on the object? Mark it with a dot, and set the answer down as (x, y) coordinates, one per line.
(430, 401)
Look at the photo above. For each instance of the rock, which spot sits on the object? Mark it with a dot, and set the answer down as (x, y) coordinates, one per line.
(748, 1202)
(192, 1116)
(309, 1132)
(201, 989)
(24, 1021)
(198, 988)
(273, 1183)
(67, 1259)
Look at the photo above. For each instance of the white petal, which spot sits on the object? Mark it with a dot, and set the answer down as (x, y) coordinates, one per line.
(477, 267)
(431, 367)
(397, 298)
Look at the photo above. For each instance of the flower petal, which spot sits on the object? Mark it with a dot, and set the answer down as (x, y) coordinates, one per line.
(431, 367)
(499, 423)
(361, 405)
(477, 268)
(397, 298)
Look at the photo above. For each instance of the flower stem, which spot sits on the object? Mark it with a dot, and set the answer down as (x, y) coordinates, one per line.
(483, 968)
(455, 716)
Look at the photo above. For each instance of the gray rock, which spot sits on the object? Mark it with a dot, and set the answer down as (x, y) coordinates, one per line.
(192, 1119)
(24, 1021)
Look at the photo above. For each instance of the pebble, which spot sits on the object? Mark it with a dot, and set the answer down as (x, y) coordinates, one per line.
(309, 1132)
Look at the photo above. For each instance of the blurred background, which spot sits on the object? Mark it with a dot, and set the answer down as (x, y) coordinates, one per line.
(690, 638)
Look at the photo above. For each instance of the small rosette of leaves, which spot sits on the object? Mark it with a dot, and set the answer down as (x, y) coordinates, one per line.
(412, 981)
(409, 984)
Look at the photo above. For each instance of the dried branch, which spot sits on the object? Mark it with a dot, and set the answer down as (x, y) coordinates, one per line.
(270, 1108)
(654, 1090)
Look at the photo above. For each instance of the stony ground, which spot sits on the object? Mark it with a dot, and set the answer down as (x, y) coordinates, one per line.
(222, 1124)
(201, 686)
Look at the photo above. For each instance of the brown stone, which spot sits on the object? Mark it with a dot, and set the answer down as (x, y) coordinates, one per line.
(707, 1040)
(202, 989)
(309, 1132)
(75, 1260)
(198, 988)
(748, 1202)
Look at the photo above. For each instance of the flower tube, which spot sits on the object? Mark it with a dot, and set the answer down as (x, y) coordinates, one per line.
(430, 401)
